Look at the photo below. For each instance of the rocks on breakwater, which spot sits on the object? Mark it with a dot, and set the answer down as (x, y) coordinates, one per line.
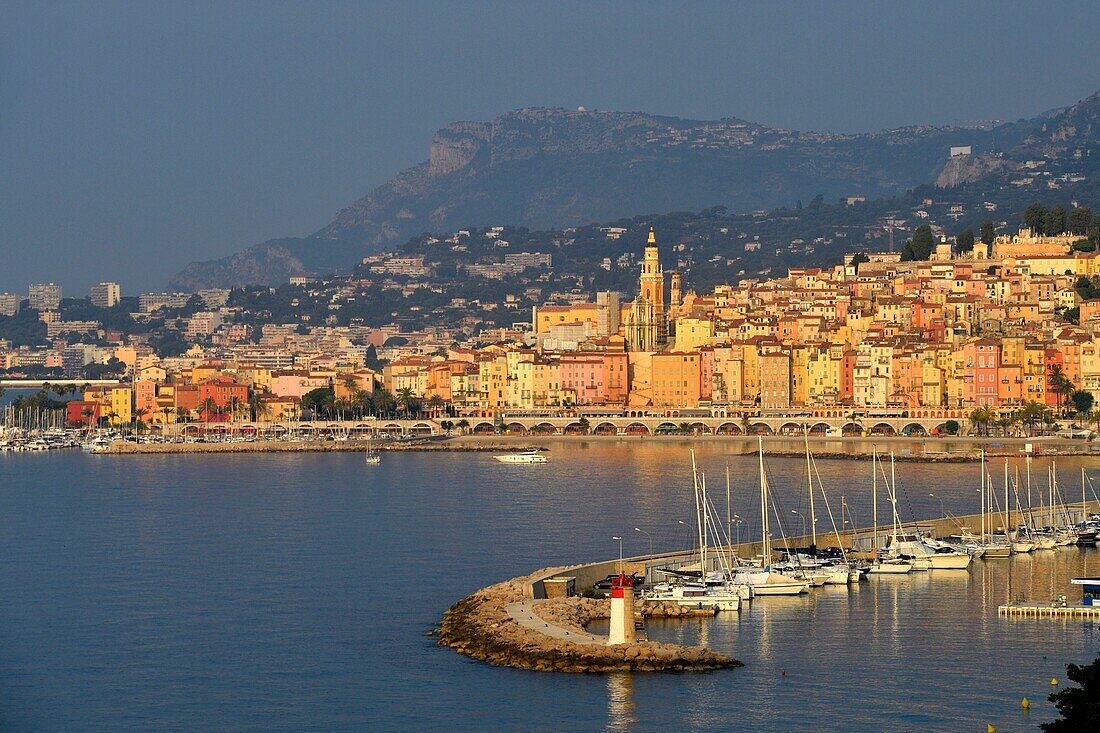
(481, 627)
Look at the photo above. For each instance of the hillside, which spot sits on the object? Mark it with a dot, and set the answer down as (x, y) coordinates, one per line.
(543, 168)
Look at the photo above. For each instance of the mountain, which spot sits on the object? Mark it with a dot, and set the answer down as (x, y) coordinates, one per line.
(542, 168)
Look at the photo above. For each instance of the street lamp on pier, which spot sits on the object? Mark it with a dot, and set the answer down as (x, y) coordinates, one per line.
(620, 539)
(647, 534)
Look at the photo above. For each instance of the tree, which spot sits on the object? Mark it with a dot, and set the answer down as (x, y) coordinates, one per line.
(584, 425)
(1035, 217)
(1080, 218)
(209, 408)
(1054, 223)
(319, 401)
(920, 246)
(1079, 707)
(1082, 401)
(405, 399)
(951, 427)
(980, 418)
(463, 424)
(858, 259)
(1031, 414)
(383, 402)
(1060, 384)
(988, 233)
(964, 242)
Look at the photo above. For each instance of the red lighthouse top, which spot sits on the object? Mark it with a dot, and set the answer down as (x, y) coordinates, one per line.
(620, 584)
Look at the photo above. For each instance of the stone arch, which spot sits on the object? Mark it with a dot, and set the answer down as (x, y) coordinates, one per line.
(573, 428)
(700, 428)
(914, 429)
(422, 428)
(790, 428)
(729, 428)
(760, 428)
(514, 428)
(819, 429)
(851, 428)
(606, 428)
(393, 429)
(483, 428)
(667, 428)
(637, 428)
(883, 428)
(543, 428)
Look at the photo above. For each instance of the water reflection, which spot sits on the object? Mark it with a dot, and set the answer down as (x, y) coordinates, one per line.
(620, 702)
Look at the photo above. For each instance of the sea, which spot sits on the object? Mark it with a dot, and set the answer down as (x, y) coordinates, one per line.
(299, 592)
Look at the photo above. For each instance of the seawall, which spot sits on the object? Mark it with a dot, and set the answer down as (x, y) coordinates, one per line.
(501, 625)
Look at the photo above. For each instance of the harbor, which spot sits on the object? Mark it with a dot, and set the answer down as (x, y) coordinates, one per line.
(304, 558)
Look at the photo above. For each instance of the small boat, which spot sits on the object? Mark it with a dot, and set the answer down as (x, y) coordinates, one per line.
(527, 456)
(373, 457)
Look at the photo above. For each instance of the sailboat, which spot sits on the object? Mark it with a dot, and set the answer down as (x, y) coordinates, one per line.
(763, 580)
(884, 564)
(809, 565)
(373, 457)
(713, 590)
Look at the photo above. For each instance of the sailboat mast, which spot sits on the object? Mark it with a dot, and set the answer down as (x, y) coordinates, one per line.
(874, 496)
(729, 510)
(698, 515)
(981, 491)
(1084, 509)
(894, 501)
(703, 526)
(810, 488)
(1006, 500)
(1030, 518)
(765, 542)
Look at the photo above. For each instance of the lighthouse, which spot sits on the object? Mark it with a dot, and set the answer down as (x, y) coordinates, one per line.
(622, 610)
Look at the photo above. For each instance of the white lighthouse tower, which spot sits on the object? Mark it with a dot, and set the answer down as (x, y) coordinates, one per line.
(622, 610)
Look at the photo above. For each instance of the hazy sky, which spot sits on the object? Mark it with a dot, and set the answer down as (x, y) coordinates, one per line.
(136, 137)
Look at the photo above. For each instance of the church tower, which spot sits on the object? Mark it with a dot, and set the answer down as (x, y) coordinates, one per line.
(652, 281)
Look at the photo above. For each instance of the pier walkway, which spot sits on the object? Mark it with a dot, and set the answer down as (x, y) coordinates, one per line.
(523, 613)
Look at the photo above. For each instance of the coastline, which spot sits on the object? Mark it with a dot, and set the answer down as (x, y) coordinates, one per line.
(932, 450)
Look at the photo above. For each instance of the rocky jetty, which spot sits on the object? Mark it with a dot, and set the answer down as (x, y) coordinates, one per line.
(481, 626)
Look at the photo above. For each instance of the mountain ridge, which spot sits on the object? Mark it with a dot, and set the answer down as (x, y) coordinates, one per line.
(544, 167)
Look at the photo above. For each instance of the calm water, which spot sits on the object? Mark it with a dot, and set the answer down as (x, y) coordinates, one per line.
(294, 593)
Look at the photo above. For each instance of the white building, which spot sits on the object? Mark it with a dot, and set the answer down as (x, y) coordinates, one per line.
(9, 303)
(105, 295)
(44, 296)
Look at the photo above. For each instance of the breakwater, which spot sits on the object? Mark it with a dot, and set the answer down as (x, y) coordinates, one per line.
(942, 450)
(502, 625)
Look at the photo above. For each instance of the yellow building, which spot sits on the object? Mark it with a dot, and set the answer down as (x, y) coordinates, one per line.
(676, 378)
(693, 333)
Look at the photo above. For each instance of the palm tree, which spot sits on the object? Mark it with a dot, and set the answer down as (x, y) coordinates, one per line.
(463, 425)
(1060, 384)
(138, 419)
(435, 404)
(405, 398)
(1030, 414)
(236, 407)
(685, 428)
(980, 418)
(209, 407)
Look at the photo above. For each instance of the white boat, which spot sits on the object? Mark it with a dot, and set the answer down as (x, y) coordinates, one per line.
(373, 457)
(765, 582)
(527, 456)
(891, 567)
(715, 590)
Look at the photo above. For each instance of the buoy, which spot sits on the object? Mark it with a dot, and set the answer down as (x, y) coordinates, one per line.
(989, 728)
(1025, 704)
(1053, 682)
(783, 673)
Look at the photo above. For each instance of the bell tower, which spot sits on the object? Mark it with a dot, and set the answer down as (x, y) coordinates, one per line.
(652, 281)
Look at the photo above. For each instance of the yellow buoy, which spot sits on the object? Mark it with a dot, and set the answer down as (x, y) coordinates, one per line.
(1053, 682)
(1025, 703)
(989, 728)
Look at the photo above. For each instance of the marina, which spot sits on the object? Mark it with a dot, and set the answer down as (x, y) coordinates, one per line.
(254, 563)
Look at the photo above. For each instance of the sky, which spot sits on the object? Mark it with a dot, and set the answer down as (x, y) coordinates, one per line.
(136, 137)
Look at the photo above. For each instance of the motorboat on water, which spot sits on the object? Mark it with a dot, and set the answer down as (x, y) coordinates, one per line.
(890, 566)
(527, 456)
(726, 597)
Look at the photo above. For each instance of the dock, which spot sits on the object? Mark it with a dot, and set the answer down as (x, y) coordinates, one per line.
(1048, 610)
